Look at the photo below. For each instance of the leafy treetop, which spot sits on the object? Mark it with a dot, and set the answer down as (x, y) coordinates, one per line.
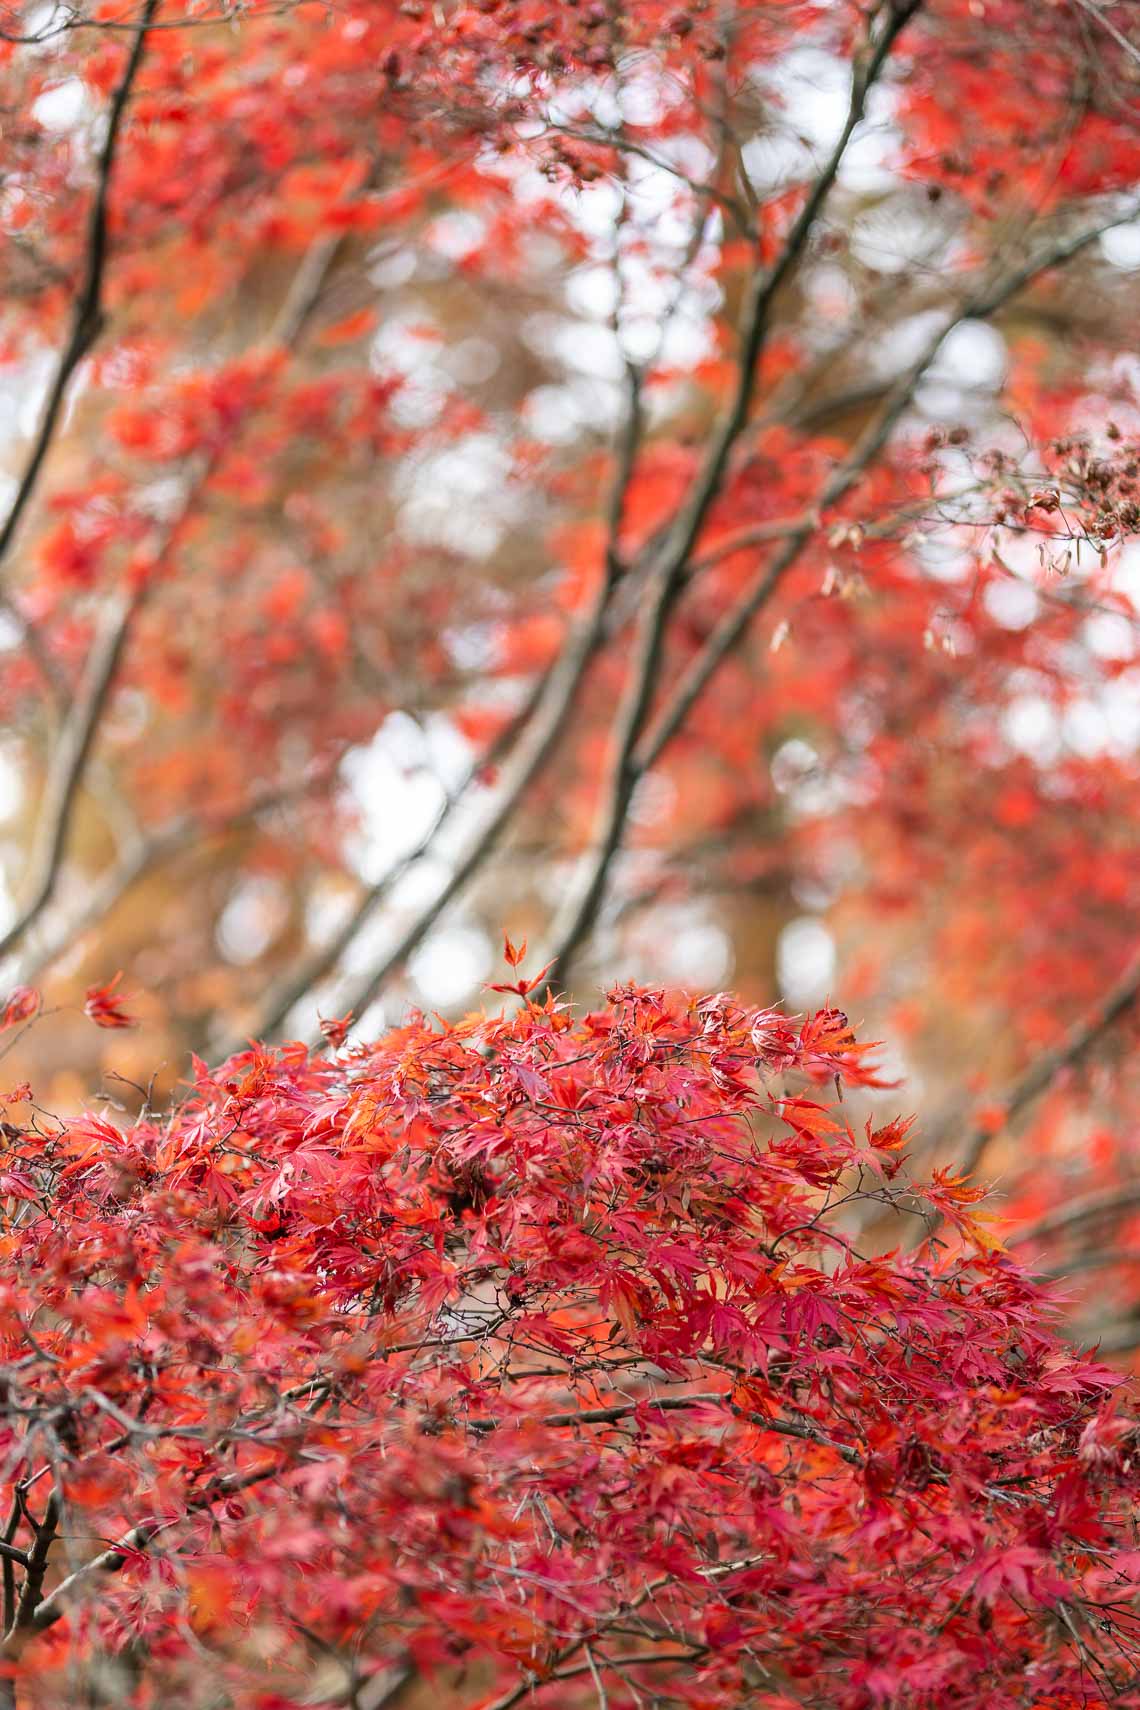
(530, 1355)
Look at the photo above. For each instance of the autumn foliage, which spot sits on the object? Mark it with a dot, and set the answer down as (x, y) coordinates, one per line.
(530, 1356)
(662, 480)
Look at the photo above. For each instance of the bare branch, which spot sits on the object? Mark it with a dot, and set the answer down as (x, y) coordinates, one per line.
(87, 311)
(292, 989)
(544, 724)
(142, 856)
(1049, 1065)
(762, 293)
(674, 1403)
(69, 763)
(557, 701)
(36, 1569)
(1076, 1213)
(53, 1607)
(1118, 37)
(674, 552)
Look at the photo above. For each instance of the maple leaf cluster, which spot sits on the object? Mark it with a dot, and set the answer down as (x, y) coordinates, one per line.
(528, 1356)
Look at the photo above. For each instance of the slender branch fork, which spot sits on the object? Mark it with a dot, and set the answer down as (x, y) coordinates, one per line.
(1045, 1069)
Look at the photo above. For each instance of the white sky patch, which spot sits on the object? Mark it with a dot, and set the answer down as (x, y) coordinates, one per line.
(461, 498)
(892, 239)
(1110, 635)
(251, 919)
(450, 966)
(583, 347)
(456, 234)
(944, 561)
(396, 805)
(1120, 701)
(63, 106)
(1031, 726)
(592, 292)
(805, 960)
(973, 355)
(816, 89)
(1012, 604)
(792, 764)
(697, 954)
(1121, 246)
(1085, 728)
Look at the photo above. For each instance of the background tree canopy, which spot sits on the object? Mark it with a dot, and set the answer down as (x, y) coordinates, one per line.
(659, 480)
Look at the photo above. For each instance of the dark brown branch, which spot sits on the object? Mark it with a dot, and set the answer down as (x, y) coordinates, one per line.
(542, 731)
(15, 1515)
(35, 1571)
(52, 1608)
(673, 556)
(674, 1403)
(577, 918)
(635, 753)
(558, 699)
(87, 312)
(763, 291)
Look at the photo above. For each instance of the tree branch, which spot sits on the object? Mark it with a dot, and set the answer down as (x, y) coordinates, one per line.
(674, 552)
(737, 619)
(35, 1571)
(289, 992)
(762, 293)
(69, 763)
(140, 857)
(87, 312)
(1091, 1208)
(73, 750)
(1045, 1069)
